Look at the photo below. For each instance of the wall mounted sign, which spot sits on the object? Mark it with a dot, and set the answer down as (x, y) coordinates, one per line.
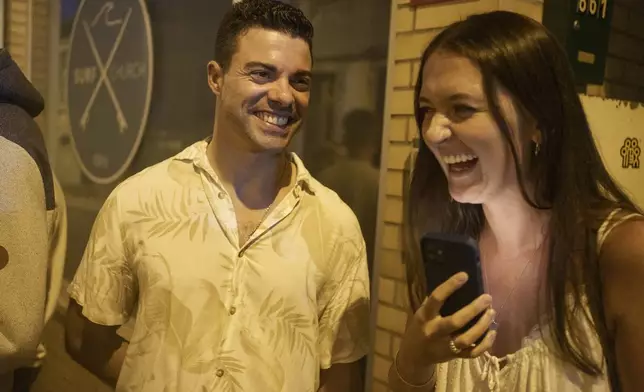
(109, 84)
(583, 27)
(630, 153)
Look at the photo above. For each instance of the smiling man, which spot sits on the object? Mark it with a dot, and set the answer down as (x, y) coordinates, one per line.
(235, 269)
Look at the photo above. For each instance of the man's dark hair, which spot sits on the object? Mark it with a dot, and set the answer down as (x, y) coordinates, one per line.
(267, 14)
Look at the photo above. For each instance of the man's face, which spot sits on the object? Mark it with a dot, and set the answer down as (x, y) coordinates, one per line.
(264, 94)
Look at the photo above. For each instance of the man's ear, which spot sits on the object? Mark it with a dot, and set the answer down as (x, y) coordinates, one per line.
(215, 77)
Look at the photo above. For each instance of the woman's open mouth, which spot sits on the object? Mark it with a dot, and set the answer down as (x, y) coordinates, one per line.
(460, 163)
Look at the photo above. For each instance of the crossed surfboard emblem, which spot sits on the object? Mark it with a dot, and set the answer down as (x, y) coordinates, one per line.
(103, 67)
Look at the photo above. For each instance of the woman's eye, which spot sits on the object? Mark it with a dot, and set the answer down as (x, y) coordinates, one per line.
(463, 111)
(426, 114)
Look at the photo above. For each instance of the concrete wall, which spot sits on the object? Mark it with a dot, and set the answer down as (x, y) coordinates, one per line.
(412, 28)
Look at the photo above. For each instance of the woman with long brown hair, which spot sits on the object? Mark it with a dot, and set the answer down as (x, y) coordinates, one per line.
(509, 159)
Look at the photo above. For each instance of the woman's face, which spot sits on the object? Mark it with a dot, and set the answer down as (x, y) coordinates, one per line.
(461, 132)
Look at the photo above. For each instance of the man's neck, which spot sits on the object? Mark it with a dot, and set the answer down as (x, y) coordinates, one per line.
(254, 177)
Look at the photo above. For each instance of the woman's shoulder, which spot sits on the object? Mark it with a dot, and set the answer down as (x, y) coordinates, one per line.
(621, 262)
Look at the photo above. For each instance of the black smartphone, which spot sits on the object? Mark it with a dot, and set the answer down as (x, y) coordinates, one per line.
(445, 255)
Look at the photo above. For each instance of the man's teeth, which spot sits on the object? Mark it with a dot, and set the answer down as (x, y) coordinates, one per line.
(451, 159)
(273, 119)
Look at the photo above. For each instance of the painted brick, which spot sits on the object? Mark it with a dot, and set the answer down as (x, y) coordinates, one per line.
(528, 8)
(414, 72)
(635, 74)
(391, 265)
(381, 368)
(412, 130)
(402, 102)
(393, 210)
(383, 342)
(398, 155)
(620, 17)
(398, 129)
(636, 24)
(394, 182)
(404, 19)
(410, 46)
(614, 68)
(391, 238)
(442, 15)
(387, 290)
(402, 74)
(402, 295)
(622, 45)
(391, 319)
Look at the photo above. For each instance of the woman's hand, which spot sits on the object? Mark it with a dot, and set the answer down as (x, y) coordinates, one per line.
(427, 339)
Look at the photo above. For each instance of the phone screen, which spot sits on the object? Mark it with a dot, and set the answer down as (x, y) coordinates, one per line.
(445, 256)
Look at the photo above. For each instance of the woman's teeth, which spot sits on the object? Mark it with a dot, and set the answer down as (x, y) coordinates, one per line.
(451, 159)
(273, 119)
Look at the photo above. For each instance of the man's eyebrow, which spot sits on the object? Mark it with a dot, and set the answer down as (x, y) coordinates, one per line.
(254, 64)
(272, 68)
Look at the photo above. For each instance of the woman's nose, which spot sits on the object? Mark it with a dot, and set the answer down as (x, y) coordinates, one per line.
(438, 130)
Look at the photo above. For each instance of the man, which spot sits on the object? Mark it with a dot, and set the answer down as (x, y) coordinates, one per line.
(237, 270)
(32, 230)
(356, 178)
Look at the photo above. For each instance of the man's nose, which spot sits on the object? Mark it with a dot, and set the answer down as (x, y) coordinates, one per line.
(281, 92)
(438, 130)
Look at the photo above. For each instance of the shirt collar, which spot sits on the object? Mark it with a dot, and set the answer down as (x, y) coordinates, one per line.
(196, 154)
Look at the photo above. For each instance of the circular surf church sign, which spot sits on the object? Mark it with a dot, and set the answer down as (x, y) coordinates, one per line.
(109, 84)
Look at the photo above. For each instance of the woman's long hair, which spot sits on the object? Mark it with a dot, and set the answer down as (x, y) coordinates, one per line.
(568, 174)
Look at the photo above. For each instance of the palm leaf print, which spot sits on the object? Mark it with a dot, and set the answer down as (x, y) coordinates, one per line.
(271, 370)
(170, 217)
(290, 328)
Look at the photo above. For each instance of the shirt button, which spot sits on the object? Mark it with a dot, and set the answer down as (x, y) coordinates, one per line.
(221, 195)
(296, 191)
(232, 310)
(220, 372)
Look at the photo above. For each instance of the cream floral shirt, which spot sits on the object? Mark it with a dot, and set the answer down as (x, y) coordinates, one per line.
(209, 315)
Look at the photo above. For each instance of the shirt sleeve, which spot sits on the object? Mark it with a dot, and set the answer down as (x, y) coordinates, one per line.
(23, 256)
(105, 285)
(344, 321)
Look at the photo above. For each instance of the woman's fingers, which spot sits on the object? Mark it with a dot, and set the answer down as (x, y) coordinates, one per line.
(485, 345)
(458, 320)
(472, 335)
(432, 305)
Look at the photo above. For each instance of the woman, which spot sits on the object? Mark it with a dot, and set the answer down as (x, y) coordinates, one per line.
(508, 158)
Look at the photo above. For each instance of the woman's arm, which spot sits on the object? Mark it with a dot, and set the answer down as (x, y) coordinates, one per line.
(622, 263)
